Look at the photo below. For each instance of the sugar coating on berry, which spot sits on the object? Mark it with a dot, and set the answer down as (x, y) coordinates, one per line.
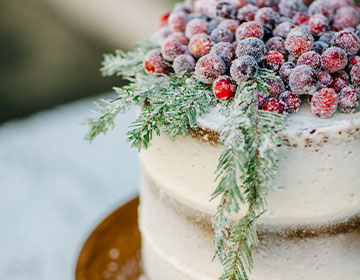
(324, 79)
(184, 63)
(249, 29)
(276, 44)
(226, 51)
(171, 49)
(177, 22)
(209, 68)
(349, 99)
(289, 8)
(346, 17)
(324, 103)
(222, 35)
(276, 87)
(154, 63)
(224, 87)
(341, 3)
(355, 74)
(338, 84)
(318, 24)
(348, 41)
(311, 58)
(261, 98)
(253, 47)
(200, 45)
(273, 60)
(283, 29)
(285, 71)
(353, 60)
(321, 7)
(302, 80)
(268, 17)
(319, 47)
(206, 7)
(299, 41)
(229, 24)
(247, 13)
(291, 100)
(244, 68)
(334, 59)
(196, 26)
(225, 10)
(301, 19)
(274, 105)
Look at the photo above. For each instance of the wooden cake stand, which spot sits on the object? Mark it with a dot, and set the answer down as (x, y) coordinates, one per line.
(113, 249)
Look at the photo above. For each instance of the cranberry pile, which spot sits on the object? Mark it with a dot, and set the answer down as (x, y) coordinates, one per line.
(312, 45)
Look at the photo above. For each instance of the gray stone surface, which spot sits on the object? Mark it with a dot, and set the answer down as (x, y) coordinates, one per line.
(55, 188)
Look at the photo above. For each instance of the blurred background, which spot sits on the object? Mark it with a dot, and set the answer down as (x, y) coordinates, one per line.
(54, 186)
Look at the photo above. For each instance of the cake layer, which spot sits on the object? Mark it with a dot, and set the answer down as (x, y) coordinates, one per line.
(177, 246)
(317, 179)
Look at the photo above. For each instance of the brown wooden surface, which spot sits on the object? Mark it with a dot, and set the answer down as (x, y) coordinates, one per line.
(113, 250)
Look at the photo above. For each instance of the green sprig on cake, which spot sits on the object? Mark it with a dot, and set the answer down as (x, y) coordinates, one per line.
(213, 55)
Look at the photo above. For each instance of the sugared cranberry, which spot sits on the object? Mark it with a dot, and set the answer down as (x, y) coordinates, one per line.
(249, 29)
(283, 29)
(349, 99)
(268, 18)
(289, 8)
(171, 49)
(324, 103)
(338, 84)
(253, 47)
(154, 63)
(318, 24)
(355, 74)
(276, 87)
(301, 19)
(222, 35)
(226, 51)
(261, 98)
(244, 68)
(276, 44)
(209, 68)
(229, 24)
(200, 45)
(247, 13)
(163, 20)
(319, 47)
(311, 58)
(285, 71)
(274, 105)
(291, 100)
(353, 60)
(302, 80)
(334, 59)
(262, 3)
(321, 7)
(337, 4)
(273, 60)
(184, 63)
(179, 36)
(225, 10)
(224, 87)
(196, 26)
(324, 79)
(341, 74)
(177, 22)
(239, 3)
(348, 41)
(299, 41)
(346, 17)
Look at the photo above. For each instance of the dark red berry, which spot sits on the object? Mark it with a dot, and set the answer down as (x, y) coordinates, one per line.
(239, 3)
(355, 74)
(276, 44)
(324, 103)
(276, 87)
(209, 68)
(261, 98)
(184, 63)
(163, 20)
(341, 74)
(334, 59)
(311, 58)
(224, 87)
(290, 8)
(229, 24)
(200, 45)
(177, 22)
(324, 79)
(225, 10)
(274, 105)
(244, 68)
(222, 35)
(319, 47)
(268, 18)
(171, 49)
(283, 29)
(285, 71)
(318, 24)
(348, 41)
(262, 3)
(249, 29)
(321, 7)
(346, 17)
(299, 41)
(349, 99)
(154, 63)
(196, 26)
(179, 36)
(253, 47)
(302, 80)
(353, 60)
(338, 84)
(226, 51)
(301, 19)
(247, 13)
(291, 100)
(273, 60)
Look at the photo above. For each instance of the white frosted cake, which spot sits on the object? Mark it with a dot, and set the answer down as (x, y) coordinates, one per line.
(311, 229)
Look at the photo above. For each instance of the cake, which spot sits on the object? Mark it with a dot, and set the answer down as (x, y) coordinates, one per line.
(249, 140)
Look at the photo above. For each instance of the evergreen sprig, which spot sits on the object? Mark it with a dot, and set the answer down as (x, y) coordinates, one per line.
(245, 172)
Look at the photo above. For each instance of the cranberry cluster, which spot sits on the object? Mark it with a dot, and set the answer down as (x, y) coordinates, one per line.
(312, 45)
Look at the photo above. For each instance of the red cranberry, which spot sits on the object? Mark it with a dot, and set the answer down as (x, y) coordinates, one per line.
(229, 24)
(244, 68)
(163, 20)
(312, 59)
(224, 87)
(299, 41)
(276, 87)
(353, 60)
(222, 35)
(318, 24)
(200, 45)
(177, 22)
(338, 84)
(303, 80)
(276, 44)
(321, 7)
(249, 29)
(253, 47)
(334, 59)
(154, 63)
(289, 8)
(324, 79)
(239, 3)
(209, 68)
(184, 63)
(346, 17)
(348, 41)
(225, 10)
(324, 103)
(226, 51)
(267, 17)
(196, 26)
(337, 4)
(349, 99)
(301, 19)
(273, 60)
(247, 13)
(341, 74)
(283, 29)
(291, 100)
(261, 98)
(180, 37)
(355, 74)
(274, 105)
(285, 71)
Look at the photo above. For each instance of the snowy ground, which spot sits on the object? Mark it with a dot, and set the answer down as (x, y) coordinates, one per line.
(55, 187)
